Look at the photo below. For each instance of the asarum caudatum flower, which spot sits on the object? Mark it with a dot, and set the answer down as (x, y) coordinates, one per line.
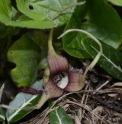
(58, 78)
(61, 78)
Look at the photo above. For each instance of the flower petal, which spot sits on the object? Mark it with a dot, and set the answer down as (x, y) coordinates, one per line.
(75, 83)
(57, 63)
(52, 89)
(30, 90)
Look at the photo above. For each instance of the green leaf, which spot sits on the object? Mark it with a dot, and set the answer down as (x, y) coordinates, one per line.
(116, 2)
(7, 13)
(5, 7)
(46, 9)
(75, 47)
(22, 100)
(70, 41)
(29, 23)
(104, 23)
(59, 116)
(110, 60)
(3, 30)
(2, 115)
(32, 9)
(36, 13)
(40, 37)
(24, 53)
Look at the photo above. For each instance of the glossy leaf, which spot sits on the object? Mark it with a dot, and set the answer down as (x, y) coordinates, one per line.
(77, 45)
(40, 16)
(45, 9)
(110, 59)
(22, 100)
(59, 116)
(24, 53)
(7, 14)
(104, 23)
(71, 42)
(2, 115)
(116, 2)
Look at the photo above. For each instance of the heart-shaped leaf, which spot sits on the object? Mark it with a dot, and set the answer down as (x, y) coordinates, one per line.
(36, 13)
(59, 116)
(24, 53)
(22, 100)
(46, 10)
(104, 23)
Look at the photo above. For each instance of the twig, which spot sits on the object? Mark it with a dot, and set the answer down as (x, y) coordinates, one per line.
(86, 108)
(104, 84)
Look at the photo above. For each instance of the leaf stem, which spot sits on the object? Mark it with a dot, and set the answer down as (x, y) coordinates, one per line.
(96, 40)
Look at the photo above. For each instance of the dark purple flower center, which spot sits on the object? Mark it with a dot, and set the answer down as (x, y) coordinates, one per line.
(61, 79)
(58, 77)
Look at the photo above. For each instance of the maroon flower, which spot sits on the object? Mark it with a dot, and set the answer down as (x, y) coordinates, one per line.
(58, 78)
(61, 79)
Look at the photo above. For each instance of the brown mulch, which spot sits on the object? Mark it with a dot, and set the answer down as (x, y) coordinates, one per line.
(100, 102)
